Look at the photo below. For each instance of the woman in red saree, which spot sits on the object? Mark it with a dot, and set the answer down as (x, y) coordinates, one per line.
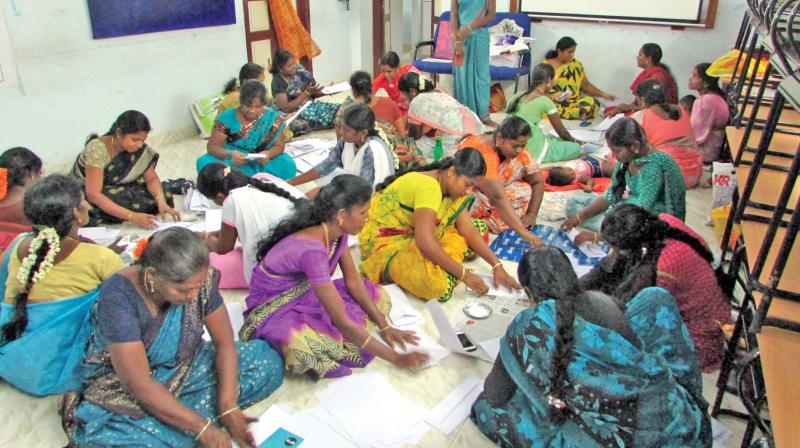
(649, 60)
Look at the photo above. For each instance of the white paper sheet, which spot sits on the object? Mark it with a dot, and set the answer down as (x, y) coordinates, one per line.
(213, 221)
(607, 122)
(427, 345)
(315, 433)
(502, 291)
(315, 157)
(292, 117)
(455, 407)
(297, 148)
(447, 334)
(492, 347)
(343, 86)
(370, 409)
(414, 435)
(589, 249)
(585, 135)
(402, 314)
(268, 422)
(255, 156)
(98, 234)
(195, 201)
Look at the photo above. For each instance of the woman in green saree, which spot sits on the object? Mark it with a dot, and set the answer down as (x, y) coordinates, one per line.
(118, 171)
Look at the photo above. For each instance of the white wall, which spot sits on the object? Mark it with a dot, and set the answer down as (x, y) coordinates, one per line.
(343, 36)
(72, 85)
(608, 51)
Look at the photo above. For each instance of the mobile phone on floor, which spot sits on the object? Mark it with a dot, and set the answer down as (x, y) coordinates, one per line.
(466, 342)
(281, 438)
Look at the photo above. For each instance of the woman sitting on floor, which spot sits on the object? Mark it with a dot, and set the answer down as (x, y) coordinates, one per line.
(649, 60)
(149, 379)
(510, 193)
(710, 113)
(248, 71)
(249, 138)
(434, 115)
(251, 208)
(361, 151)
(577, 369)
(642, 176)
(118, 170)
(669, 130)
(389, 79)
(417, 235)
(388, 118)
(322, 326)
(660, 250)
(531, 106)
(49, 280)
(292, 86)
(571, 80)
(19, 169)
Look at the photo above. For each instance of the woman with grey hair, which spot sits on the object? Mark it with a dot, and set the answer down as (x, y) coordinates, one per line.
(149, 379)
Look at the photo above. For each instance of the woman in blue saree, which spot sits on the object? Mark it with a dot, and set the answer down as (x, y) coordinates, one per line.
(251, 130)
(48, 292)
(471, 79)
(579, 370)
(149, 379)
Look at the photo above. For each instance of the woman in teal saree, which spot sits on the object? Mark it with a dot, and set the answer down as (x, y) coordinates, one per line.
(149, 323)
(248, 131)
(471, 79)
(579, 370)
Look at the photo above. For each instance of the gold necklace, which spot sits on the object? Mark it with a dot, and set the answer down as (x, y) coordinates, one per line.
(327, 236)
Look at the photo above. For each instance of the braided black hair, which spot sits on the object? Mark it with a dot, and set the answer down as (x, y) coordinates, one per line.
(546, 273)
(212, 181)
(344, 192)
(653, 94)
(624, 133)
(642, 234)
(467, 162)
(541, 74)
(49, 203)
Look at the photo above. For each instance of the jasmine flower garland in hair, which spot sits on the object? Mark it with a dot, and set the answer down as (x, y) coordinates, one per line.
(50, 235)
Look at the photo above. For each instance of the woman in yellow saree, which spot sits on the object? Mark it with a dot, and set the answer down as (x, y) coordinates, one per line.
(572, 91)
(417, 234)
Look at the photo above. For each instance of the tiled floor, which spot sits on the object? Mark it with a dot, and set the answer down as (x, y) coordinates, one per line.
(29, 421)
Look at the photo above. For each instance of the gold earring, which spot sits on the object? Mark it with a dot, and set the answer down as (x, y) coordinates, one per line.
(341, 221)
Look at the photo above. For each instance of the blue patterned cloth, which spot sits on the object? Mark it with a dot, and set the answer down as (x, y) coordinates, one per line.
(510, 246)
(618, 395)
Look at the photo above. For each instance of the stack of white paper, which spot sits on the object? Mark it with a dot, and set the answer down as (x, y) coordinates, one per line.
(372, 412)
(402, 314)
(100, 235)
(336, 88)
(195, 201)
(607, 122)
(297, 148)
(455, 407)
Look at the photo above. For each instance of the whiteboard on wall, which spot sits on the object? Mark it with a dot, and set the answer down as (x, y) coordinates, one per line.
(671, 11)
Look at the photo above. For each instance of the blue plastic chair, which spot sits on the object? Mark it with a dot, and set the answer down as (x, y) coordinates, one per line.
(495, 73)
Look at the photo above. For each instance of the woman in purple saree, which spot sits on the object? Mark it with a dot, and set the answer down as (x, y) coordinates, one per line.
(322, 326)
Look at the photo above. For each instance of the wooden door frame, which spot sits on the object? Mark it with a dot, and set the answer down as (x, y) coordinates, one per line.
(378, 35)
(303, 11)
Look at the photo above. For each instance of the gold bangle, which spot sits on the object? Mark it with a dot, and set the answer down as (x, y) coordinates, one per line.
(496, 265)
(130, 216)
(208, 423)
(596, 237)
(235, 408)
(385, 328)
(463, 273)
(578, 217)
(366, 341)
